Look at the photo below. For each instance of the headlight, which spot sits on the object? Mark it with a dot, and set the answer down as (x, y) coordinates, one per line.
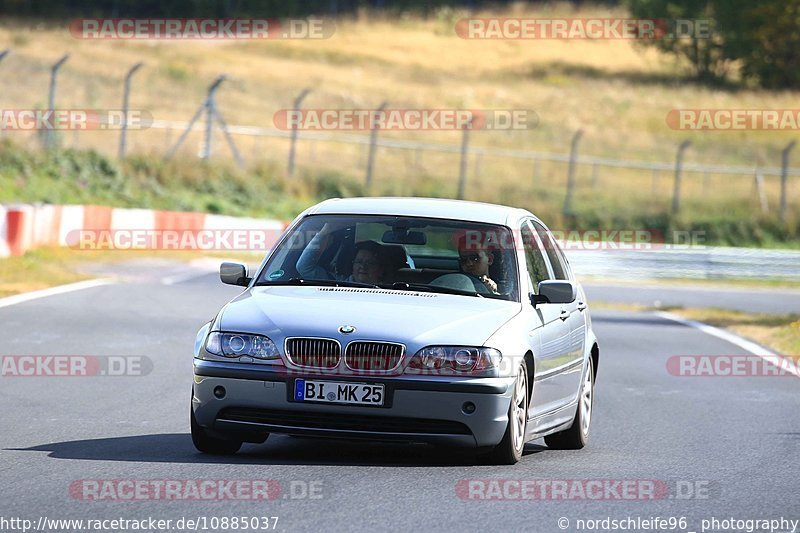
(453, 360)
(241, 344)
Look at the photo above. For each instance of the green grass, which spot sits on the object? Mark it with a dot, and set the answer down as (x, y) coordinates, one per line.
(78, 177)
(87, 177)
(38, 269)
(779, 332)
(52, 266)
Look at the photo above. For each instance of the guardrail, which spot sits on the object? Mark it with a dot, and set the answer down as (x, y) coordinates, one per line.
(692, 263)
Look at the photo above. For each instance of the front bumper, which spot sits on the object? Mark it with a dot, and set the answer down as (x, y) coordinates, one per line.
(418, 409)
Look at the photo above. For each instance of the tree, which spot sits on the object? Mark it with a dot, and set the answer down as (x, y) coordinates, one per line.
(694, 36)
(765, 36)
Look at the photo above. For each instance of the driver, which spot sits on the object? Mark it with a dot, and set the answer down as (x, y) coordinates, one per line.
(369, 264)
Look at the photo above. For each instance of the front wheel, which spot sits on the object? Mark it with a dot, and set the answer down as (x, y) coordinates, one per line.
(509, 451)
(577, 436)
(208, 444)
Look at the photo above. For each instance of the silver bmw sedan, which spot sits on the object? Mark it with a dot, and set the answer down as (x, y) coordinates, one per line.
(403, 319)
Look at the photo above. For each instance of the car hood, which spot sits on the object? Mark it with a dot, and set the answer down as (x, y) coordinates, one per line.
(413, 318)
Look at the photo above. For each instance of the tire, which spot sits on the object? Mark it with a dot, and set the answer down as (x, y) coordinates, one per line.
(577, 436)
(212, 445)
(509, 451)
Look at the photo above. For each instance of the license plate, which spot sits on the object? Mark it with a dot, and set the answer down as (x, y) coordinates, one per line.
(306, 390)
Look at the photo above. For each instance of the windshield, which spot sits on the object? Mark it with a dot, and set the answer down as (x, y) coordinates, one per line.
(403, 253)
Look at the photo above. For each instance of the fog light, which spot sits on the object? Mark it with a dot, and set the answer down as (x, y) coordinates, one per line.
(219, 391)
(468, 408)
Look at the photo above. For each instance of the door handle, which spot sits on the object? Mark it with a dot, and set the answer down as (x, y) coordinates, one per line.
(564, 314)
(581, 306)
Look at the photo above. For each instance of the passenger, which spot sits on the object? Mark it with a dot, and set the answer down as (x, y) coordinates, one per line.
(369, 265)
(474, 261)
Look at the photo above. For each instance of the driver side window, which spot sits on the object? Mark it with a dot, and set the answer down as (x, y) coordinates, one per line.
(534, 260)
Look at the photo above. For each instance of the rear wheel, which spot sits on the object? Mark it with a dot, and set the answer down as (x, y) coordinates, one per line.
(208, 444)
(509, 451)
(577, 435)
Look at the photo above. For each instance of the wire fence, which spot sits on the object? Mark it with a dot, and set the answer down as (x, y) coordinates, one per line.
(462, 168)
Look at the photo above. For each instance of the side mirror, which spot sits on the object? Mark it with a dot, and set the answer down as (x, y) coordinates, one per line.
(234, 274)
(555, 292)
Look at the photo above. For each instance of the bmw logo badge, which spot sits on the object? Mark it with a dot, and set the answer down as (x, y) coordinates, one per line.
(347, 330)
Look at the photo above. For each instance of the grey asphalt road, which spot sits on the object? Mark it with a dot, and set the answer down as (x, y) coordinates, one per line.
(737, 437)
(749, 299)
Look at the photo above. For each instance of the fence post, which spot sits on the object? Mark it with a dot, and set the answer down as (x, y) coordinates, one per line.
(462, 168)
(125, 96)
(784, 177)
(676, 192)
(224, 127)
(51, 98)
(293, 140)
(373, 139)
(209, 105)
(211, 113)
(573, 155)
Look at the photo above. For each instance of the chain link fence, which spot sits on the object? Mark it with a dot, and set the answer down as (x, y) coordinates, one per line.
(467, 167)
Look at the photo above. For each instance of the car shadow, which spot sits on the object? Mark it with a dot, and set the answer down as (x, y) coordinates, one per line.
(278, 450)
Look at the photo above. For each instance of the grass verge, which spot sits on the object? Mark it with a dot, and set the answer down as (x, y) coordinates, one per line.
(779, 332)
(49, 267)
(87, 177)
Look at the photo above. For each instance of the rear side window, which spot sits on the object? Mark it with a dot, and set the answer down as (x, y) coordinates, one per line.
(557, 260)
(536, 265)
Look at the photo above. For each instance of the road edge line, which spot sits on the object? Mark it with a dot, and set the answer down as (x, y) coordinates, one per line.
(53, 291)
(741, 342)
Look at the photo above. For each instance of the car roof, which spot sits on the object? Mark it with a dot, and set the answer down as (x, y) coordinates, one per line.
(421, 207)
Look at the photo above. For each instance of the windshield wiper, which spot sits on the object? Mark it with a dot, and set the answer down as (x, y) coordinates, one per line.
(319, 282)
(403, 286)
